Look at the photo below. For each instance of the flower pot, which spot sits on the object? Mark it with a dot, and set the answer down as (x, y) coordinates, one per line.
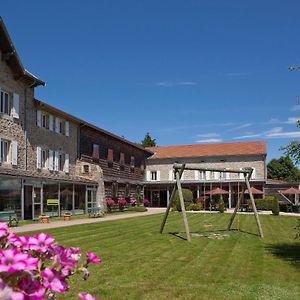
(44, 219)
(67, 217)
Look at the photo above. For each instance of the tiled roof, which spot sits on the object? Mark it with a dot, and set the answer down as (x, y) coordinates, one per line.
(208, 150)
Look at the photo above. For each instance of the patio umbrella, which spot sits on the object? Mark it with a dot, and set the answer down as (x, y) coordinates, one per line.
(290, 191)
(254, 191)
(217, 191)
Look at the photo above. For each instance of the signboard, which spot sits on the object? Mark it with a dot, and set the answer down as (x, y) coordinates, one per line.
(52, 202)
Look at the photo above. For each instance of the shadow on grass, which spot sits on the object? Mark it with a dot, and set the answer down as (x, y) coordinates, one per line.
(287, 252)
(205, 233)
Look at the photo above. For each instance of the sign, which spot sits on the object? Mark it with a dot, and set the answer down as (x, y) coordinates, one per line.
(52, 202)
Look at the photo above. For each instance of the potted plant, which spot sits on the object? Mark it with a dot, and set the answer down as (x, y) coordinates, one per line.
(146, 202)
(109, 204)
(67, 216)
(44, 218)
(122, 202)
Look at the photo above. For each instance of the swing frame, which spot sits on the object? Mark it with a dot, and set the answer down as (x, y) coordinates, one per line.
(180, 168)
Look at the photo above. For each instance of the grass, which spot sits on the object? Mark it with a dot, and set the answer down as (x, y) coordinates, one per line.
(140, 263)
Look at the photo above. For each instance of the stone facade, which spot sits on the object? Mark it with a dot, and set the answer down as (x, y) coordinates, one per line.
(165, 167)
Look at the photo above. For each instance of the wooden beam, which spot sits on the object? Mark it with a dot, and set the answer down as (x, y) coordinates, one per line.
(170, 204)
(186, 224)
(254, 206)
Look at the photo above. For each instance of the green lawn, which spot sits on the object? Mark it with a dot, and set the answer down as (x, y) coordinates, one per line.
(140, 263)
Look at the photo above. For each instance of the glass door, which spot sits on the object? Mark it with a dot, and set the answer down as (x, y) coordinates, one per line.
(91, 198)
(37, 203)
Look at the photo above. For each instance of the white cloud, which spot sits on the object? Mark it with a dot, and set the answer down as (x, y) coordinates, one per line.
(295, 107)
(240, 127)
(208, 135)
(175, 83)
(278, 133)
(290, 120)
(210, 141)
(247, 136)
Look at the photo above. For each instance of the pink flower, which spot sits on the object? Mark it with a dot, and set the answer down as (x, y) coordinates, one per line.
(41, 242)
(122, 202)
(110, 202)
(6, 292)
(86, 296)
(53, 281)
(32, 289)
(3, 229)
(22, 242)
(92, 258)
(12, 260)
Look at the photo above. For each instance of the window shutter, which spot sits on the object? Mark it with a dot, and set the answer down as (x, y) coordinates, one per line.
(148, 176)
(51, 119)
(196, 175)
(67, 128)
(16, 104)
(253, 174)
(38, 157)
(50, 164)
(170, 175)
(241, 174)
(0, 147)
(57, 125)
(55, 161)
(39, 118)
(110, 155)
(66, 164)
(14, 153)
(158, 175)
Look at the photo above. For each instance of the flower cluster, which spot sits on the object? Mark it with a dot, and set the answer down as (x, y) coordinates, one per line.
(146, 202)
(110, 202)
(122, 202)
(36, 267)
(133, 202)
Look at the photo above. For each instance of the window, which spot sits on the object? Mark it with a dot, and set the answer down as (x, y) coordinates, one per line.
(44, 159)
(61, 162)
(96, 154)
(86, 169)
(153, 175)
(45, 121)
(222, 175)
(202, 175)
(5, 146)
(61, 127)
(122, 159)
(5, 103)
(132, 162)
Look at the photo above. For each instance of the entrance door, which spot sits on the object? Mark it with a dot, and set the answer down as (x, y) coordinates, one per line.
(91, 198)
(32, 202)
(36, 203)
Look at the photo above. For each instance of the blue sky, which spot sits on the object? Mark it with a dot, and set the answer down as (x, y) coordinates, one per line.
(185, 71)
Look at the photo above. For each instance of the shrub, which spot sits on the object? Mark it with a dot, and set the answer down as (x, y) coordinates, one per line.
(110, 202)
(195, 207)
(221, 205)
(296, 208)
(187, 197)
(122, 202)
(146, 202)
(283, 206)
(275, 207)
(137, 208)
(133, 202)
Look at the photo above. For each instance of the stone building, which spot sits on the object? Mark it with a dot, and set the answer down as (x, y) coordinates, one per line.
(122, 162)
(160, 176)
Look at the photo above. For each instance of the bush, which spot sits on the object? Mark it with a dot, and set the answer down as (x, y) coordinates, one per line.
(137, 208)
(221, 205)
(146, 202)
(275, 207)
(187, 197)
(195, 207)
(283, 206)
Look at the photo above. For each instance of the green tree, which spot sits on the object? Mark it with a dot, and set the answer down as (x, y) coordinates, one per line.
(148, 141)
(283, 169)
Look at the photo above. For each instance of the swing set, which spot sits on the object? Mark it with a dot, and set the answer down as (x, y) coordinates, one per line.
(180, 168)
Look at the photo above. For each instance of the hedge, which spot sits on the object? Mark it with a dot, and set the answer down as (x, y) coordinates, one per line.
(187, 197)
(268, 203)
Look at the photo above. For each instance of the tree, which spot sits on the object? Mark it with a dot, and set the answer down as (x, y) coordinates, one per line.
(148, 141)
(293, 150)
(283, 169)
